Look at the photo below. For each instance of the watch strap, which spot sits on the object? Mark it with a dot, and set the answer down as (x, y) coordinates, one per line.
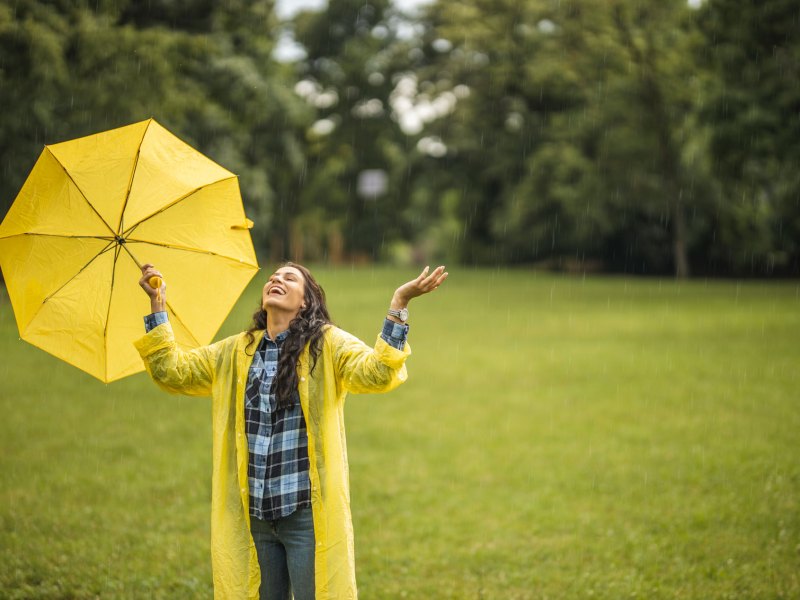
(398, 314)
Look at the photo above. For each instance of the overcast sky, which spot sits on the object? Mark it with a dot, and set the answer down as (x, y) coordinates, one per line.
(288, 50)
(286, 9)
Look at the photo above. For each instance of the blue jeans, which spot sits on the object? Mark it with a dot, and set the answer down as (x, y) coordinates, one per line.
(285, 549)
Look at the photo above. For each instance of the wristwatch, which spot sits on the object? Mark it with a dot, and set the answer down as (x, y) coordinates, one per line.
(401, 314)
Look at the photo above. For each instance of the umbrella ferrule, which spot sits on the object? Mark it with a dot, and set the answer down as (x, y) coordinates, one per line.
(120, 240)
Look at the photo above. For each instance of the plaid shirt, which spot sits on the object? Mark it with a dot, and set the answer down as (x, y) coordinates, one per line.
(277, 466)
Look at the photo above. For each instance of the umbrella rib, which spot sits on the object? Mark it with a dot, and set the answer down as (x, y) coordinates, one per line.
(133, 173)
(105, 238)
(108, 310)
(171, 204)
(67, 173)
(183, 248)
(185, 328)
(81, 270)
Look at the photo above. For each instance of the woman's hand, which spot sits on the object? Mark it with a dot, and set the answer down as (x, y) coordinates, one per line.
(424, 284)
(158, 297)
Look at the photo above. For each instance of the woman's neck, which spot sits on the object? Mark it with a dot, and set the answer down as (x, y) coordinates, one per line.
(278, 322)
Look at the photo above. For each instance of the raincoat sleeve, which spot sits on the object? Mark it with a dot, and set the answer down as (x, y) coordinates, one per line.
(175, 370)
(364, 370)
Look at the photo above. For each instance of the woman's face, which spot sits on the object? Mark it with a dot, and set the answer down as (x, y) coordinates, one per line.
(285, 291)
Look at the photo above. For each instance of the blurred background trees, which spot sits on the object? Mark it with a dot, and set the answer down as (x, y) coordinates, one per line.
(648, 137)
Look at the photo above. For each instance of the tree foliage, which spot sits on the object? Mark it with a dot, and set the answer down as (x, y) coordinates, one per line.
(753, 114)
(622, 135)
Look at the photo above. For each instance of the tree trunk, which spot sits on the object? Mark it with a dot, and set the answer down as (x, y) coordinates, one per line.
(679, 240)
(668, 155)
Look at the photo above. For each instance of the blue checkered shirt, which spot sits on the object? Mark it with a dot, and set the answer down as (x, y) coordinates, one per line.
(277, 466)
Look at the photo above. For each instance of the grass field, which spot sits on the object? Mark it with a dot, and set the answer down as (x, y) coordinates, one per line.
(558, 437)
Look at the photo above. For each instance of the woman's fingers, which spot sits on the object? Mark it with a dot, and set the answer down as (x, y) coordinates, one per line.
(427, 282)
(433, 280)
(148, 272)
(422, 275)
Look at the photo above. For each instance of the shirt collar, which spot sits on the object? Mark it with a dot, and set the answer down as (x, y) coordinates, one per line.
(278, 338)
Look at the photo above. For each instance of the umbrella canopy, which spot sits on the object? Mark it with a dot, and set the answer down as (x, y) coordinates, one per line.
(93, 209)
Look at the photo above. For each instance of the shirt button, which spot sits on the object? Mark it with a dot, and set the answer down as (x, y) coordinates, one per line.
(302, 379)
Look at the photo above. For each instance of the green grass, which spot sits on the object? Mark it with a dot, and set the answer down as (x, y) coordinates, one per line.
(558, 437)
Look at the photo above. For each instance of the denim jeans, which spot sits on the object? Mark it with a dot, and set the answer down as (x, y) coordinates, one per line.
(285, 549)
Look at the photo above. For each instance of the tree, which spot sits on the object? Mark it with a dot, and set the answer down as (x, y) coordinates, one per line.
(754, 115)
(585, 111)
(353, 62)
(203, 69)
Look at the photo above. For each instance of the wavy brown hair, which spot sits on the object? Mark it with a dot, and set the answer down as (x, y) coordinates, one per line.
(308, 327)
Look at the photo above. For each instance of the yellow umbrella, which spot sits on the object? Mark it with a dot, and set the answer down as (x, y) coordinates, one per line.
(90, 211)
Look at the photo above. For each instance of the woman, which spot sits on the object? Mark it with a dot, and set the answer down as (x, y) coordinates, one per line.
(280, 506)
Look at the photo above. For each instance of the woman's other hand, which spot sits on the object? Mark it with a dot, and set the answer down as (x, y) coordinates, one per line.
(158, 296)
(424, 284)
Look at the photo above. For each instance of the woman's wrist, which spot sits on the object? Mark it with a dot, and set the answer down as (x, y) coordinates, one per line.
(157, 306)
(398, 302)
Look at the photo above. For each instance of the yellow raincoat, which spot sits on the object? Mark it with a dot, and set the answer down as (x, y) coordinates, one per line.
(345, 364)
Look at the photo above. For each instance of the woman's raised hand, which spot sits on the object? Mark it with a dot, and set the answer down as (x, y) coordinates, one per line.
(158, 295)
(424, 284)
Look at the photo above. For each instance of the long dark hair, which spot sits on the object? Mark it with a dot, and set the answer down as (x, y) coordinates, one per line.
(307, 327)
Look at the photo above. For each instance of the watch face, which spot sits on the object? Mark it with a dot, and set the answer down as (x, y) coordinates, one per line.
(404, 314)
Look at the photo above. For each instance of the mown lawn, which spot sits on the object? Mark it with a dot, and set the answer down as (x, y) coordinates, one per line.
(559, 437)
